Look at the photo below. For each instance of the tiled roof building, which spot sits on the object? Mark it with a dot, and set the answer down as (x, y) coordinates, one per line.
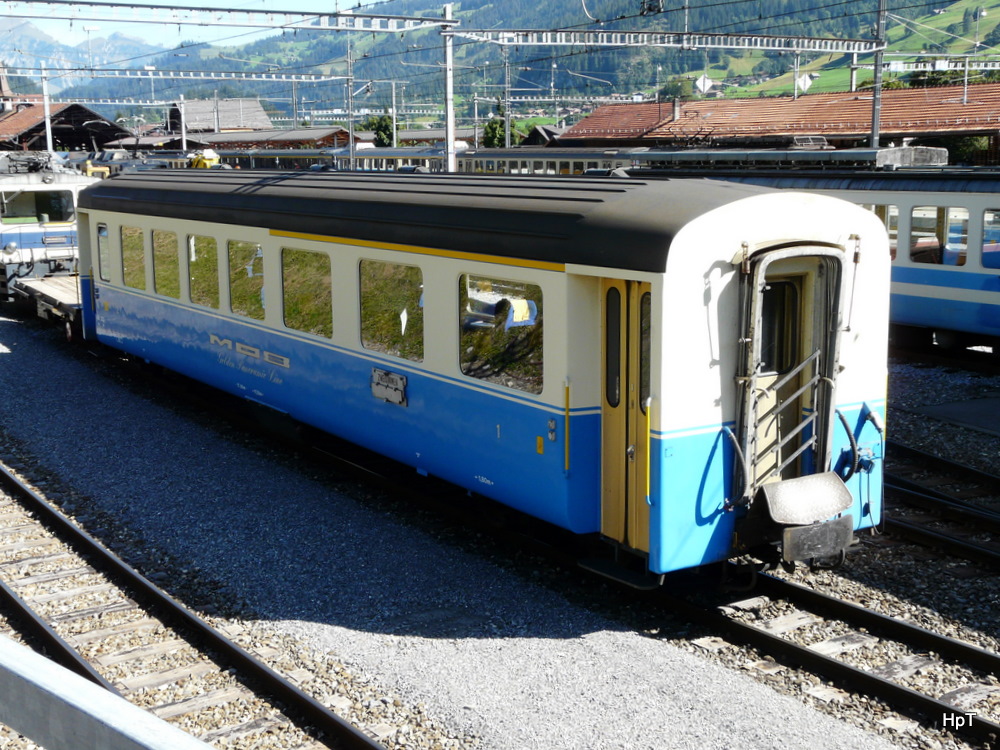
(74, 127)
(843, 118)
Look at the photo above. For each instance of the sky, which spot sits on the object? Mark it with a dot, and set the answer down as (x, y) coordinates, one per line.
(169, 35)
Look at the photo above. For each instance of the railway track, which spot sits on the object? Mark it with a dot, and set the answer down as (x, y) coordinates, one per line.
(943, 504)
(958, 686)
(95, 615)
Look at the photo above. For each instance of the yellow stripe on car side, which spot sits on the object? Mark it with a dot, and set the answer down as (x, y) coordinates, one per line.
(542, 265)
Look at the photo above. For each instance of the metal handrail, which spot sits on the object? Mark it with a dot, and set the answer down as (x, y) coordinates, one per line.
(792, 373)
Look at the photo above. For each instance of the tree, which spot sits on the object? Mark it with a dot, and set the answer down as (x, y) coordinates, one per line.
(382, 127)
(495, 133)
(679, 88)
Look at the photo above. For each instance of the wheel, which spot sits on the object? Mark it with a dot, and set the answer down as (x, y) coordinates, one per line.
(71, 329)
(910, 337)
(950, 340)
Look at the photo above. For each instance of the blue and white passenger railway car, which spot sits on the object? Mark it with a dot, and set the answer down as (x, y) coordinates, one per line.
(691, 369)
(37, 219)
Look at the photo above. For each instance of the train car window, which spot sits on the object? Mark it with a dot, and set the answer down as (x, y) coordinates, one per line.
(392, 309)
(525, 167)
(29, 207)
(612, 347)
(133, 258)
(939, 235)
(166, 264)
(104, 252)
(778, 330)
(308, 291)
(591, 165)
(501, 331)
(578, 167)
(54, 205)
(645, 320)
(550, 167)
(890, 217)
(246, 279)
(203, 270)
(991, 238)
(563, 167)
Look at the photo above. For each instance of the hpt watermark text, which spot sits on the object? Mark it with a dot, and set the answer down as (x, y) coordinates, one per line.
(957, 720)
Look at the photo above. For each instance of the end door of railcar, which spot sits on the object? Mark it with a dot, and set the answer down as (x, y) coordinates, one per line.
(790, 337)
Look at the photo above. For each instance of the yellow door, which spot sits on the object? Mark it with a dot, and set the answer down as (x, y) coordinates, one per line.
(625, 433)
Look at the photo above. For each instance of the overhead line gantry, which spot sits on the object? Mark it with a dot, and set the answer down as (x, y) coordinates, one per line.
(69, 10)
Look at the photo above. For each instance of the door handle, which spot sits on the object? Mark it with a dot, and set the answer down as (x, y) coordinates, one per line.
(630, 453)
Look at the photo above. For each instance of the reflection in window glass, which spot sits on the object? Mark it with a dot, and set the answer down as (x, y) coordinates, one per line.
(166, 264)
(308, 291)
(203, 270)
(133, 258)
(392, 309)
(939, 235)
(501, 331)
(991, 238)
(246, 279)
(27, 207)
(104, 251)
(778, 316)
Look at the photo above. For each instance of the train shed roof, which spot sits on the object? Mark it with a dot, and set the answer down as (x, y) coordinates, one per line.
(73, 127)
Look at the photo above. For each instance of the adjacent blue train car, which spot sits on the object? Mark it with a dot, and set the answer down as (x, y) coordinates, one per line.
(37, 219)
(944, 228)
(690, 369)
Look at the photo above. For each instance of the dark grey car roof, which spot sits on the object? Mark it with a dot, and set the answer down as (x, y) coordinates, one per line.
(614, 223)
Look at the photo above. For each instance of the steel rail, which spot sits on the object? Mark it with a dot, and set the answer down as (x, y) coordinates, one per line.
(269, 682)
(905, 452)
(912, 493)
(949, 544)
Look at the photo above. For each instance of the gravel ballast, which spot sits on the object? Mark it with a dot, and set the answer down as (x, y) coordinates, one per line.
(477, 653)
